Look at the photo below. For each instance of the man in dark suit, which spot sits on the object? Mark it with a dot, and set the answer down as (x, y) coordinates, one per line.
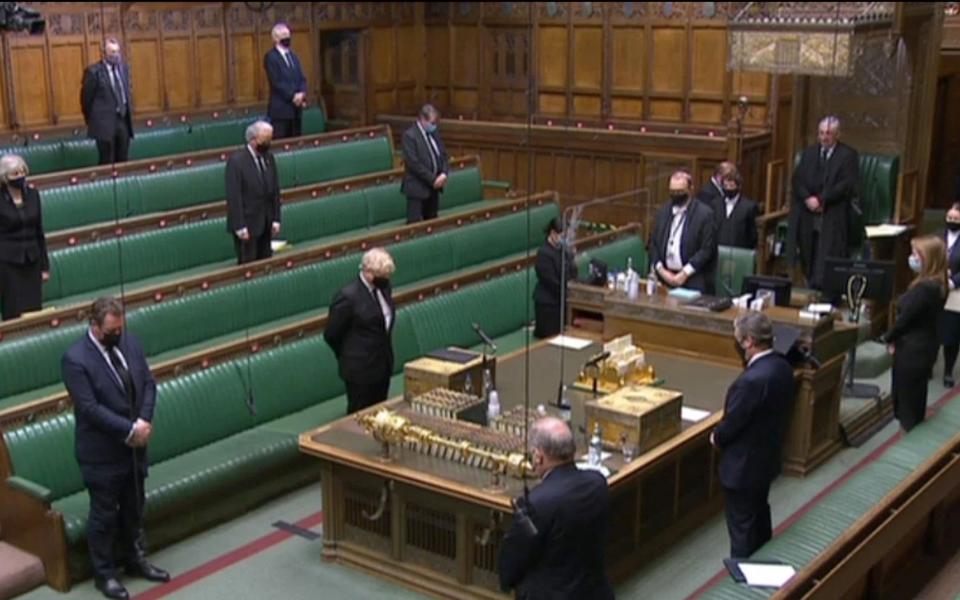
(288, 86)
(359, 329)
(427, 165)
(750, 435)
(113, 393)
(713, 190)
(253, 195)
(736, 214)
(683, 245)
(107, 106)
(563, 559)
(824, 188)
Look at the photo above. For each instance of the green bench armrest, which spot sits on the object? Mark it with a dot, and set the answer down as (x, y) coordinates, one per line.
(493, 183)
(30, 488)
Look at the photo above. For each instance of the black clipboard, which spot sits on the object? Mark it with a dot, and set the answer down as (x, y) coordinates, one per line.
(453, 355)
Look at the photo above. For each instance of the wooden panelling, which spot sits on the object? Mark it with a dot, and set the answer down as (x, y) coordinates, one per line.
(466, 56)
(708, 62)
(588, 59)
(177, 68)
(211, 63)
(706, 112)
(553, 57)
(383, 55)
(66, 64)
(246, 66)
(587, 106)
(553, 104)
(32, 100)
(145, 81)
(629, 59)
(666, 110)
(669, 56)
(627, 108)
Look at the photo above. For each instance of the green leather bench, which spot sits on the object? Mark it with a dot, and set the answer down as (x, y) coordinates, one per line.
(29, 367)
(207, 469)
(103, 201)
(78, 152)
(733, 266)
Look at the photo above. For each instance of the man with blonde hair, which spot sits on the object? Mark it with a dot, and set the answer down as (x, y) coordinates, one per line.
(359, 329)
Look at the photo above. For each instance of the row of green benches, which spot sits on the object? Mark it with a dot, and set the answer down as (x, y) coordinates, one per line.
(65, 154)
(211, 458)
(172, 253)
(107, 200)
(29, 367)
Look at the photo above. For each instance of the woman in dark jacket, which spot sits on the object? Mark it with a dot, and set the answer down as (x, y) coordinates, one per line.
(552, 262)
(23, 249)
(950, 324)
(914, 340)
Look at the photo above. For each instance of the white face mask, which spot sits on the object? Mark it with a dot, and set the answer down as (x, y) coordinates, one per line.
(915, 263)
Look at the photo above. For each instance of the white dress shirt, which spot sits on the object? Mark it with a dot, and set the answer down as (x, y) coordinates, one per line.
(435, 155)
(731, 204)
(759, 355)
(673, 260)
(285, 55)
(384, 307)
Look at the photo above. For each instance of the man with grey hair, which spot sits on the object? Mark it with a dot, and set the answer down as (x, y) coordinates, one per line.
(683, 242)
(106, 104)
(563, 558)
(822, 214)
(253, 195)
(427, 166)
(750, 435)
(288, 86)
(113, 393)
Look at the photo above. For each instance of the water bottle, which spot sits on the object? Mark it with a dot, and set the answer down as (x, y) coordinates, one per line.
(565, 407)
(651, 283)
(630, 270)
(611, 281)
(493, 406)
(468, 385)
(487, 383)
(633, 285)
(595, 454)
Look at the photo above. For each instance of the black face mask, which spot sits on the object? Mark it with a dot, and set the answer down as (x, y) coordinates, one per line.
(381, 283)
(263, 148)
(731, 194)
(110, 340)
(678, 198)
(18, 184)
(285, 42)
(953, 226)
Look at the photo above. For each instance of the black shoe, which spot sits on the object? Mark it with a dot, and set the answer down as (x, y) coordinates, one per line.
(147, 571)
(112, 588)
(948, 382)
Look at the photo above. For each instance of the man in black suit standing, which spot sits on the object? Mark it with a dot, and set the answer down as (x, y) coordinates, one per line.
(107, 105)
(735, 213)
(563, 559)
(750, 435)
(113, 393)
(713, 190)
(253, 195)
(824, 188)
(427, 165)
(359, 329)
(683, 246)
(288, 86)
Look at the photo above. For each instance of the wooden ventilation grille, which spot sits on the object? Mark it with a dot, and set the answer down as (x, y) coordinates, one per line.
(485, 556)
(358, 501)
(431, 531)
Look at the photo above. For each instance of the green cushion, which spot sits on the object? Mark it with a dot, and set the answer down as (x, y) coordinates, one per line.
(42, 157)
(314, 121)
(461, 187)
(43, 452)
(161, 142)
(733, 265)
(86, 203)
(168, 190)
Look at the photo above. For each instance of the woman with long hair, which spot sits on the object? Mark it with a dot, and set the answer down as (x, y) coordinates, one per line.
(914, 339)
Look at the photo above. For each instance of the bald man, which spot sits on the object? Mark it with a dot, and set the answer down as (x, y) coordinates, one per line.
(683, 244)
(563, 560)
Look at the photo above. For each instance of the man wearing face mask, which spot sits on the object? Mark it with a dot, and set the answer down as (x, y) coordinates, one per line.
(288, 86)
(683, 244)
(736, 214)
(107, 106)
(113, 394)
(950, 322)
(426, 166)
(750, 435)
(359, 330)
(563, 559)
(253, 195)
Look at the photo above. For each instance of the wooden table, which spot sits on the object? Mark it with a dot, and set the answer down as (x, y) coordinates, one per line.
(662, 323)
(435, 525)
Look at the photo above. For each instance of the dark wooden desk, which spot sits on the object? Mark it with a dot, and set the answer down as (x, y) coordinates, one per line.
(661, 323)
(435, 525)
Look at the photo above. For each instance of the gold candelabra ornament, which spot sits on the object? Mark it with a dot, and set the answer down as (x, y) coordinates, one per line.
(625, 365)
(392, 429)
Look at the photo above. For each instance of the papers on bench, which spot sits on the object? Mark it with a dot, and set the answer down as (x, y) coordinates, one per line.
(693, 415)
(766, 575)
(567, 341)
(884, 230)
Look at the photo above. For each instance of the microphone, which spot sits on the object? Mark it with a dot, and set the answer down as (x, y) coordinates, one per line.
(596, 358)
(248, 391)
(486, 338)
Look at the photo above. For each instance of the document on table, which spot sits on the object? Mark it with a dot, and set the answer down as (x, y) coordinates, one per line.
(884, 230)
(573, 343)
(766, 575)
(693, 415)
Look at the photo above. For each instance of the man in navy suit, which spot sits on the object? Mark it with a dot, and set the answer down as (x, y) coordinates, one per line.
(113, 393)
(288, 86)
(427, 166)
(253, 195)
(750, 435)
(359, 329)
(563, 559)
(106, 104)
(683, 245)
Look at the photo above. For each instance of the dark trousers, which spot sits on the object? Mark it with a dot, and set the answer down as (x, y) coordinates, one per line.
(362, 395)
(423, 209)
(548, 320)
(813, 270)
(748, 520)
(253, 249)
(117, 149)
(116, 515)
(909, 390)
(950, 353)
(287, 128)
(21, 289)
